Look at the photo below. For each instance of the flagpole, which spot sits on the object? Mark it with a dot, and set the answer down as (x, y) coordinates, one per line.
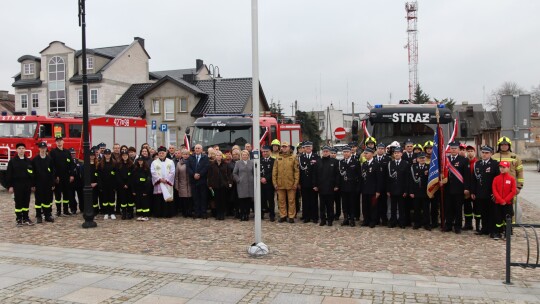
(441, 170)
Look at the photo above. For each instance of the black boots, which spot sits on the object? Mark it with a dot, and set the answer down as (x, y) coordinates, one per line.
(477, 224)
(468, 223)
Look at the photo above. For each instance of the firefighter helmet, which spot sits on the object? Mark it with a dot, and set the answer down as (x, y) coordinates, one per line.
(428, 144)
(418, 146)
(276, 142)
(504, 140)
(370, 139)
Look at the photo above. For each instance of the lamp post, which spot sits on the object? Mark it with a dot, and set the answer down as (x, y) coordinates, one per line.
(87, 189)
(212, 71)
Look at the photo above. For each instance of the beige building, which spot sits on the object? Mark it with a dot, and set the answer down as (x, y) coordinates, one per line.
(52, 82)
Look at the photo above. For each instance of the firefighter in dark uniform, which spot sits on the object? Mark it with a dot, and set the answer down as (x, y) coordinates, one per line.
(64, 171)
(382, 203)
(107, 184)
(408, 154)
(484, 171)
(20, 182)
(370, 183)
(354, 150)
(396, 188)
(123, 192)
(349, 170)
(267, 186)
(44, 181)
(417, 185)
(94, 178)
(77, 185)
(337, 195)
(455, 189)
(356, 155)
(310, 202)
(326, 181)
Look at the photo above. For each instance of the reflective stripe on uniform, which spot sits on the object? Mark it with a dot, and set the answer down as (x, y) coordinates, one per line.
(143, 210)
(131, 204)
(25, 209)
(65, 202)
(123, 205)
(18, 210)
(142, 179)
(499, 225)
(520, 167)
(29, 171)
(521, 180)
(468, 215)
(37, 206)
(46, 205)
(95, 205)
(478, 216)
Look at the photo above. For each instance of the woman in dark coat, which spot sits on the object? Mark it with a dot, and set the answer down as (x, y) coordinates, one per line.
(243, 175)
(219, 180)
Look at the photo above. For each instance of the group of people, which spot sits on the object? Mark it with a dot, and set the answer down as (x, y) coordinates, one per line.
(169, 181)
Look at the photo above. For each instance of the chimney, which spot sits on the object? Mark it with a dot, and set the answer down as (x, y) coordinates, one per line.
(198, 64)
(141, 40)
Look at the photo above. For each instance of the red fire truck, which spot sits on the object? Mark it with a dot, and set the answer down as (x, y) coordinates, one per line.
(31, 130)
(229, 130)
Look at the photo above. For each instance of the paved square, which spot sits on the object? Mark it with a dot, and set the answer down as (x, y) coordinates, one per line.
(118, 282)
(82, 278)
(52, 290)
(222, 294)
(157, 299)
(181, 290)
(90, 295)
(292, 298)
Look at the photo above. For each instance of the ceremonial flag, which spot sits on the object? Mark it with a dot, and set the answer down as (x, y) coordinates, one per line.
(435, 174)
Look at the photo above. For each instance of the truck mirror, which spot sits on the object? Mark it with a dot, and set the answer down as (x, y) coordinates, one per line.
(41, 130)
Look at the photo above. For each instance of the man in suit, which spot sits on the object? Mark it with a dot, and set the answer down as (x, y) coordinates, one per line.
(325, 181)
(417, 185)
(396, 188)
(310, 202)
(198, 169)
(455, 189)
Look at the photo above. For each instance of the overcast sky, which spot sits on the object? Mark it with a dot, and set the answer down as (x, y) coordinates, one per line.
(317, 52)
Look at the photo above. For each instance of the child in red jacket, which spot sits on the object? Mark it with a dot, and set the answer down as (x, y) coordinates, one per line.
(504, 190)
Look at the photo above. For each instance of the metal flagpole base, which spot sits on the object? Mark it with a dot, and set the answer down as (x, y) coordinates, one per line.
(89, 224)
(258, 250)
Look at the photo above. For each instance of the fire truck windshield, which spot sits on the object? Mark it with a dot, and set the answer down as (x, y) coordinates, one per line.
(225, 138)
(17, 129)
(388, 132)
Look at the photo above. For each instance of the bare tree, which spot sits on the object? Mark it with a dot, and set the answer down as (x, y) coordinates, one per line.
(507, 88)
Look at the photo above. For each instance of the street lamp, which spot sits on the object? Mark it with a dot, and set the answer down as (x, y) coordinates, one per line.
(87, 189)
(212, 71)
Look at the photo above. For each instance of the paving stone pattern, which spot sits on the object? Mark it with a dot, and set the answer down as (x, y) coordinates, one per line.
(59, 281)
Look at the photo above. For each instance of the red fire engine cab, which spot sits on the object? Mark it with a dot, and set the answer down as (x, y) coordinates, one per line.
(33, 129)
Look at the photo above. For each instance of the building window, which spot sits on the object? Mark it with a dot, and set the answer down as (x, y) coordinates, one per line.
(90, 63)
(155, 106)
(79, 97)
(93, 96)
(321, 124)
(183, 105)
(57, 85)
(29, 68)
(172, 137)
(24, 101)
(35, 100)
(168, 109)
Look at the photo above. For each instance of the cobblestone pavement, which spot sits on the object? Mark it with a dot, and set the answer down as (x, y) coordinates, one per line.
(38, 274)
(395, 251)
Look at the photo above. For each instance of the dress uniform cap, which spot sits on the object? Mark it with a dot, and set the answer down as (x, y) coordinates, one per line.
(333, 150)
(42, 145)
(265, 148)
(326, 148)
(307, 144)
(421, 154)
(487, 149)
(398, 149)
(408, 141)
(353, 144)
(346, 148)
(162, 148)
(71, 150)
(381, 145)
(102, 144)
(454, 144)
(504, 164)
(369, 150)
(20, 145)
(57, 138)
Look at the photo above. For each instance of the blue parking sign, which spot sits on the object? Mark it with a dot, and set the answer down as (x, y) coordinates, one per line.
(163, 127)
(154, 125)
